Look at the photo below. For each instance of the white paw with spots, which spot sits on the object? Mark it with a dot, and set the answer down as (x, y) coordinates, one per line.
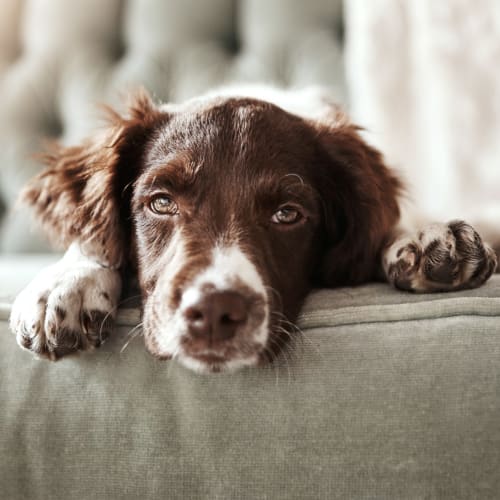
(69, 306)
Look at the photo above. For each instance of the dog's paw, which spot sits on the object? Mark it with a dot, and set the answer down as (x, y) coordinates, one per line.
(68, 307)
(442, 257)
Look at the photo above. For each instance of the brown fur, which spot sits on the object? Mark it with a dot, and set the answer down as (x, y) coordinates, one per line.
(228, 165)
(77, 198)
(361, 194)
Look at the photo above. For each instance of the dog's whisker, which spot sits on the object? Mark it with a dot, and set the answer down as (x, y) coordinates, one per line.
(297, 176)
(174, 355)
(112, 312)
(272, 365)
(276, 294)
(107, 315)
(128, 299)
(131, 335)
(289, 344)
(282, 353)
(302, 336)
(135, 330)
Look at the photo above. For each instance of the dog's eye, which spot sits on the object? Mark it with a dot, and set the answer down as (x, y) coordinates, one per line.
(163, 205)
(286, 215)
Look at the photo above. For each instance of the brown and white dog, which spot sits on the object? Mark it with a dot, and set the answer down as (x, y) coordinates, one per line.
(230, 207)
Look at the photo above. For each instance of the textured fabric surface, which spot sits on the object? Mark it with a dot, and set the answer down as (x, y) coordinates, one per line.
(58, 58)
(386, 395)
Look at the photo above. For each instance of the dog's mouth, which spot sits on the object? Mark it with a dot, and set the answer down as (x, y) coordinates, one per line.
(210, 359)
(229, 359)
(216, 363)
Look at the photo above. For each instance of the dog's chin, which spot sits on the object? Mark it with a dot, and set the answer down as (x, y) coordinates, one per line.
(209, 363)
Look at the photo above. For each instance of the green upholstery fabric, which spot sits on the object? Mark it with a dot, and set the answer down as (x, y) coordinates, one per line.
(386, 395)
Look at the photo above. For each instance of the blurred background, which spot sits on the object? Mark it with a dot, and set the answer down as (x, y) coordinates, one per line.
(422, 76)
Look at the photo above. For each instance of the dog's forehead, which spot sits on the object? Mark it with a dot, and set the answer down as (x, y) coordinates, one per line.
(231, 156)
(221, 108)
(222, 128)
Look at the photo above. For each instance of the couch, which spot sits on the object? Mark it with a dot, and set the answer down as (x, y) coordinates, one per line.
(383, 395)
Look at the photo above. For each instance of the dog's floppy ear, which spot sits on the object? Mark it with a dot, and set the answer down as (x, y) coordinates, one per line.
(78, 197)
(360, 202)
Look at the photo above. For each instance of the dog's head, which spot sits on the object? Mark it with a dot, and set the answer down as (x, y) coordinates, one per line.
(231, 209)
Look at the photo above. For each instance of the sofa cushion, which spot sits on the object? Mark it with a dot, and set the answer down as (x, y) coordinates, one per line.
(370, 303)
(385, 395)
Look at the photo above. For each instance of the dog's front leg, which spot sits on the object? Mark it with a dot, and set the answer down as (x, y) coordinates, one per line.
(439, 258)
(69, 306)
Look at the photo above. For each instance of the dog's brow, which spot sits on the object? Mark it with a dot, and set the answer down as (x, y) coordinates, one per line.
(294, 176)
(173, 174)
(295, 185)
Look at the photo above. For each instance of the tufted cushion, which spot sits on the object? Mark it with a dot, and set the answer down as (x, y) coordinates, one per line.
(58, 58)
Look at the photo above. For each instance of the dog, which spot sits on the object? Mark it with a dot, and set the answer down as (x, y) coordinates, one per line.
(229, 208)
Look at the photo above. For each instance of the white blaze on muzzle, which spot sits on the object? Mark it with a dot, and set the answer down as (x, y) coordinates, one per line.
(230, 270)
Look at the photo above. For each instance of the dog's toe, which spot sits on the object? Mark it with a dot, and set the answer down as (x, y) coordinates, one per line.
(477, 260)
(73, 313)
(97, 326)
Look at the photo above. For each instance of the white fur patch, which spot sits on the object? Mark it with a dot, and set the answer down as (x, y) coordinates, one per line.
(229, 265)
(229, 268)
(75, 284)
(229, 366)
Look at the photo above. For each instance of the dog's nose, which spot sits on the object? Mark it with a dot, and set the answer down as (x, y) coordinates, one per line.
(217, 315)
